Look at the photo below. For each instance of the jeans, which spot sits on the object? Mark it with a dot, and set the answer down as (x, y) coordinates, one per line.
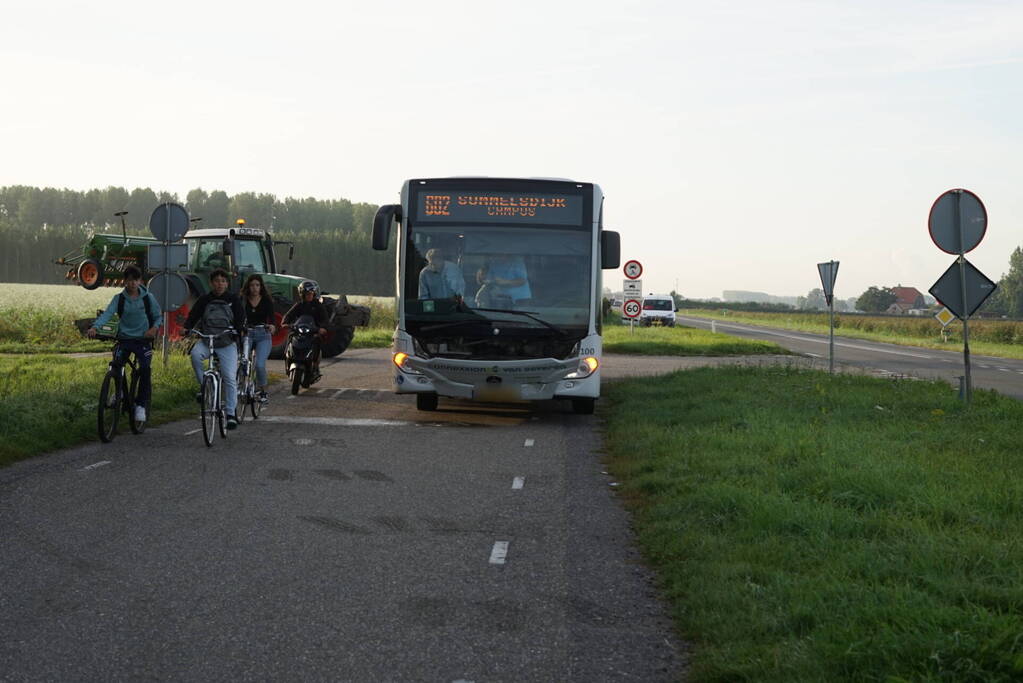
(143, 350)
(261, 340)
(228, 358)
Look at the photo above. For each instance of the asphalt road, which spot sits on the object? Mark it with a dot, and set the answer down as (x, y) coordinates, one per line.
(343, 536)
(1004, 375)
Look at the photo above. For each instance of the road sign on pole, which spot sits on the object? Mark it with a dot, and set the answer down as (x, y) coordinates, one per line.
(632, 289)
(949, 288)
(957, 221)
(633, 269)
(631, 308)
(829, 272)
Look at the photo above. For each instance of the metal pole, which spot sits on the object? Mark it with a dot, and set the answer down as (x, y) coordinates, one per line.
(966, 310)
(166, 291)
(831, 336)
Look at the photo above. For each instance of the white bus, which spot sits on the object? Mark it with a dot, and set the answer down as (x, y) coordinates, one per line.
(498, 289)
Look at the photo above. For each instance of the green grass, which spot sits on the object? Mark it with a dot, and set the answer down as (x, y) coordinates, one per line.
(49, 401)
(1002, 338)
(680, 341)
(808, 527)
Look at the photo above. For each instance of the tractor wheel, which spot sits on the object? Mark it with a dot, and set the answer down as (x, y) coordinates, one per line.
(337, 341)
(90, 273)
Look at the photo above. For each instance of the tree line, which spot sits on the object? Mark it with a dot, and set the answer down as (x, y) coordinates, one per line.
(332, 236)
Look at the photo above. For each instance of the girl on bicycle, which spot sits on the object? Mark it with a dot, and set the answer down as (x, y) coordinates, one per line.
(259, 310)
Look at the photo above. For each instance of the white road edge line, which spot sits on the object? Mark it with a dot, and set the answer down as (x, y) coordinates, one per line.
(95, 465)
(529, 443)
(518, 482)
(335, 421)
(194, 431)
(499, 553)
(338, 393)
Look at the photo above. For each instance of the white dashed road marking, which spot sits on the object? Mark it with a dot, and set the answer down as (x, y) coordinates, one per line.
(96, 464)
(499, 553)
(529, 443)
(194, 431)
(335, 421)
(518, 482)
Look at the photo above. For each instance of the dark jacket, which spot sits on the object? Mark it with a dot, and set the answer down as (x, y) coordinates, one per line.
(195, 315)
(313, 308)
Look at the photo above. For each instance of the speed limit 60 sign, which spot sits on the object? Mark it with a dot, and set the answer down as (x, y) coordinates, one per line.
(631, 308)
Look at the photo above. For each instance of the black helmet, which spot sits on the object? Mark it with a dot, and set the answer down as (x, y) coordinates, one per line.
(308, 286)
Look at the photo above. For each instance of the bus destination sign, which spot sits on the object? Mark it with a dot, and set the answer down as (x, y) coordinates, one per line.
(499, 207)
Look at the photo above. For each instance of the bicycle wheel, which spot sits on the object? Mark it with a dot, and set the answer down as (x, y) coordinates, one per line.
(255, 405)
(222, 419)
(137, 427)
(109, 408)
(242, 383)
(208, 412)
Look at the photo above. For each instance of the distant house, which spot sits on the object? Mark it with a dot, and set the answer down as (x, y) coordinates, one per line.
(908, 298)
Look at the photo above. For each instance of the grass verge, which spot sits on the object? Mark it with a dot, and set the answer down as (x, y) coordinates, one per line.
(49, 401)
(810, 528)
(681, 341)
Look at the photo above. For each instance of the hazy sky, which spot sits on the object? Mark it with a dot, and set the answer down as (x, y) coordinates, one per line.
(738, 143)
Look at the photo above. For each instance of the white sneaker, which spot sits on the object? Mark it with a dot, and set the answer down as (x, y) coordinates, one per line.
(140, 414)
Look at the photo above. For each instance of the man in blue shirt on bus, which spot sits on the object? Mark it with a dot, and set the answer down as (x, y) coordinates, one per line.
(440, 279)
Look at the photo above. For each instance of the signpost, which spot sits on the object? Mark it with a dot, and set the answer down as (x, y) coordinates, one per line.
(957, 223)
(168, 223)
(632, 287)
(829, 272)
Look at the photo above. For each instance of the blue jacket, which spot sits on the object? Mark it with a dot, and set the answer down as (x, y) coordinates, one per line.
(133, 323)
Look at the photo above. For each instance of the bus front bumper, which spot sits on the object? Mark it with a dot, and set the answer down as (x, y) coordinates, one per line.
(504, 381)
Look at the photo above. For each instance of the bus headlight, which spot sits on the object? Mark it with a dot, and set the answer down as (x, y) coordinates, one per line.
(401, 360)
(587, 366)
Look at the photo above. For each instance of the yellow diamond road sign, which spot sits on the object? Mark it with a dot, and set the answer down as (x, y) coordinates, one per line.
(945, 316)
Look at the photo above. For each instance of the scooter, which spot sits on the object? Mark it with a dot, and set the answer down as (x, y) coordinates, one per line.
(300, 353)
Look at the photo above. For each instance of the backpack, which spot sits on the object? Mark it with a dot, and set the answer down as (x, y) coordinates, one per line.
(217, 317)
(145, 301)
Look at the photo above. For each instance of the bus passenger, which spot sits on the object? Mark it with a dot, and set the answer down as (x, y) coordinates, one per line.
(440, 279)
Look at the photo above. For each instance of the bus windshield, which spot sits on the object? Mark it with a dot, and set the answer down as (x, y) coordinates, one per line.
(474, 272)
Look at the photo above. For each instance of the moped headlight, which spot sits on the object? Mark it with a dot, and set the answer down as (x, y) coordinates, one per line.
(587, 366)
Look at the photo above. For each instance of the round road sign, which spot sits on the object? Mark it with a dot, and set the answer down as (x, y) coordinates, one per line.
(632, 269)
(631, 308)
(169, 222)
(949, 211)
(170, 290)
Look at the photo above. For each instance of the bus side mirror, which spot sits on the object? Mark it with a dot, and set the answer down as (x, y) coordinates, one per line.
(610, 249)
(386, 214)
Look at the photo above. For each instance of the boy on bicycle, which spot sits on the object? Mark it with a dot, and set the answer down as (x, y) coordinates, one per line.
(216, 312)
(140, 321)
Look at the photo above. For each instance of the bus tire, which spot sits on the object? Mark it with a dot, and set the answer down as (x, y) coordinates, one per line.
(426, 401)
(337, 341)
(583, 406)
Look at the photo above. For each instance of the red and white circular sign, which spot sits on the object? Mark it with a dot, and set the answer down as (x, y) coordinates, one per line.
(632, 269)
(631, 308)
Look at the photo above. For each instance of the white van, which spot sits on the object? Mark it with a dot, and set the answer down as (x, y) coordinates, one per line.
(658, 309)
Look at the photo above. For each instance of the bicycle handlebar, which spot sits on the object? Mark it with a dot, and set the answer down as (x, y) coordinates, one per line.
(211, 337)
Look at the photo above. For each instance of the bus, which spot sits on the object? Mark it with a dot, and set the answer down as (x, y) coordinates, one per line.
(498, 289)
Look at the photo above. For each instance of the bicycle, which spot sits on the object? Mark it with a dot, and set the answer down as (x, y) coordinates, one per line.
(211, 408)
(117, 395)
(248, 395)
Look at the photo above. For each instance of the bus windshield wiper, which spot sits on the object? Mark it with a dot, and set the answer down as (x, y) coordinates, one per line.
(527, 314)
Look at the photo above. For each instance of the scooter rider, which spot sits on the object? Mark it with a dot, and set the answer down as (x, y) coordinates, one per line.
(309, 304)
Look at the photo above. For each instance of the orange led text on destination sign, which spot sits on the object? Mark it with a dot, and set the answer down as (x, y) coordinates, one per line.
(440, 204)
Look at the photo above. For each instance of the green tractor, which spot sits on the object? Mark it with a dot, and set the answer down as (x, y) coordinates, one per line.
(240, 251)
